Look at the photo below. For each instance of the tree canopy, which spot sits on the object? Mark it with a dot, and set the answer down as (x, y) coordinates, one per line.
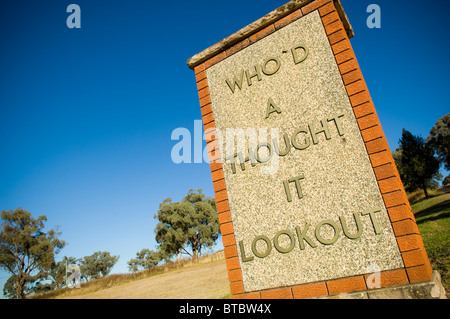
(26, 250)
(145, 259)
(416, 162)
(439, 139)
(192, 223)
(97, 265)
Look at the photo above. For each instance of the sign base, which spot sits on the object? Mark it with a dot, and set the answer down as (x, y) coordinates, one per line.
(432, 289)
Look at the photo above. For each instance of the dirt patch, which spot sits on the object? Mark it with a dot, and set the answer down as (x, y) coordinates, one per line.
(203, 281)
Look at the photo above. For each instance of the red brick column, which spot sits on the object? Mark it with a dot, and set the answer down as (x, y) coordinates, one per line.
(417, 266)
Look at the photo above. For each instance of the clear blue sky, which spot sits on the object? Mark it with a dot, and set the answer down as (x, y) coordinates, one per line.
(87, 114)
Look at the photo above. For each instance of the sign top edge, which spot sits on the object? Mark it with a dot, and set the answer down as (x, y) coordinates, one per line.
(259, 24)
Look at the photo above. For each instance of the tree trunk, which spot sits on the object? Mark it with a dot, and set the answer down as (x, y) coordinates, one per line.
(424, 186)
(194, 255)
(19, 285)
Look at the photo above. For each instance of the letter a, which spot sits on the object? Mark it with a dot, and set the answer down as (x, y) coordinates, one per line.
(374, 279)
(374, 20)
(181, 152)
(74, 20)
(271, 107)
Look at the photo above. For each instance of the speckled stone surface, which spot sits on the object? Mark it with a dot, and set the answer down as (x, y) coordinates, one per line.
(338, 178)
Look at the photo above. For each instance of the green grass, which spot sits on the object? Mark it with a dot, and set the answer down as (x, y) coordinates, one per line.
(433, 219)
(418, 195)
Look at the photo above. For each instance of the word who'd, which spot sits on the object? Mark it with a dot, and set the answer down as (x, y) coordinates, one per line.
(269, 67)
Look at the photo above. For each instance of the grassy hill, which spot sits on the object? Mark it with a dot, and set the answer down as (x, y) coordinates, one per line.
(208, 278)
(433, 219)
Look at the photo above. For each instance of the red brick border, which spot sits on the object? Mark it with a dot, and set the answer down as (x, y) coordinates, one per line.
(417, 266)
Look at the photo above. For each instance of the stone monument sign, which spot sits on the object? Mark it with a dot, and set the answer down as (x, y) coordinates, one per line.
(309, 199)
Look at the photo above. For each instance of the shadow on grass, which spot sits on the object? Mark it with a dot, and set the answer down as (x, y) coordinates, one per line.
(433, 212)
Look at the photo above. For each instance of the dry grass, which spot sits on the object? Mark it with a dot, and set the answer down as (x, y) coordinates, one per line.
(206, 278)
(418, 195)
